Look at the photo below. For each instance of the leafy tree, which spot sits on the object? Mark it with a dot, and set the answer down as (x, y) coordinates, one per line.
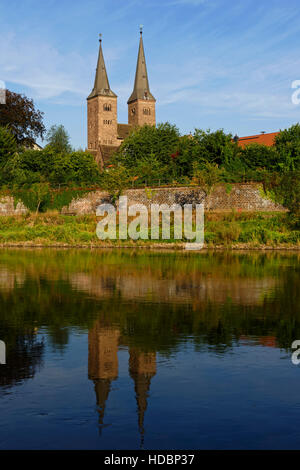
(76, 167)
(149, 169)
(58, 139)
(259, 156)
(213, 147)
(8, 145)
(206, 177)
(146, 141)
(286, 189)
(287, 144)
(114, 180)
(41, 195)
(34, 166)
(22, 118)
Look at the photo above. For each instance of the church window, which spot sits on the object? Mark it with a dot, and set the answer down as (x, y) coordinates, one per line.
(146, 111)
(133, 111)
(107, 107)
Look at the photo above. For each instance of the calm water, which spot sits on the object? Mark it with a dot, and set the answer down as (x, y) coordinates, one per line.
(126, 350)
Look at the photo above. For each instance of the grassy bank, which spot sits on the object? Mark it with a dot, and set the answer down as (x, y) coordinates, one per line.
(236, 230)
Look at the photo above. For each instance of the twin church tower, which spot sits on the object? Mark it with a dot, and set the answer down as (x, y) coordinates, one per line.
(105, 134)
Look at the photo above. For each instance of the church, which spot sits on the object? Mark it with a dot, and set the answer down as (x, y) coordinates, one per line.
(105, 134)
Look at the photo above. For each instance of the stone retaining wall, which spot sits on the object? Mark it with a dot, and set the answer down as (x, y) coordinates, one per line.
(239, 196)
(8, 206)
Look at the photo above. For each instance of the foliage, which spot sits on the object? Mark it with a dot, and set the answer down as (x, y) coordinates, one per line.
(115, 180)
(287, 144)
(286, 189)
(250, 228)
(256, 156)
(148, 141)
(150, 170)
(8, 146)
(22, 118)
(213, 147)
(206, 176)
(34, 166)
(58, 139)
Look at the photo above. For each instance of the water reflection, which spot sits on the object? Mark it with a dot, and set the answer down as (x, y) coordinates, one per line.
(147, 304)
(104, 342)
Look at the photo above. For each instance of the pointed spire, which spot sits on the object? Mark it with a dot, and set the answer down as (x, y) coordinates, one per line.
(141, 90)
(142, 367)
(102, 389)
(101, 85)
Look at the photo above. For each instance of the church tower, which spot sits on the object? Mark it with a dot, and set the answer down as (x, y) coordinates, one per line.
(141, 104)
(102, 112)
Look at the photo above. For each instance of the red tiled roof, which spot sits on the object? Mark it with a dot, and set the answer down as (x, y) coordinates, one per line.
(262, 139)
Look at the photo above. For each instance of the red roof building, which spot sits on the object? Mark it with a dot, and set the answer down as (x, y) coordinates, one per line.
(262, 139)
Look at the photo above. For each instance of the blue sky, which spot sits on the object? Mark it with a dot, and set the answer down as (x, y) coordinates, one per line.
(211, 63)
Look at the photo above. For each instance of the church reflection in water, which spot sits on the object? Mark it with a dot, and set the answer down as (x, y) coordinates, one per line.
(104, 341)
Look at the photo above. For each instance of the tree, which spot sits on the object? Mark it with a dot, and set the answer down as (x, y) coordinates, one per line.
(259, 156)
(150, 170)
(206, 177)
(287, 144)
(22, 118)
(58, 139)
(213, 147)
(8, 145)
(146, 141)
(41, 195)
(114, 180)
(286, 189)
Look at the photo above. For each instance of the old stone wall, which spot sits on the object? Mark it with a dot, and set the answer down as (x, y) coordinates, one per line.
(240, 197)
(8, 206)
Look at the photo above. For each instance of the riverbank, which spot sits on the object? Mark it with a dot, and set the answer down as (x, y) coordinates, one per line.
(244, 230)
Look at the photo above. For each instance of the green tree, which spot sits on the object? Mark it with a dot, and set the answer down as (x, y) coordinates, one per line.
(41, 195)
(114, 180)
(8, 145)
(150, 170)
(206, 176)
(22, 118)
(287, 144)
(146, 141)
(58, 139)
(213, 147)
(256, 156)
(286, 189)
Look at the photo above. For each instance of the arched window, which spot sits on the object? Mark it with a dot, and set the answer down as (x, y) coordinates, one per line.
(107, 107)
(146, 111)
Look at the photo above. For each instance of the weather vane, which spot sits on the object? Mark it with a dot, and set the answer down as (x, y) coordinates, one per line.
(141, 28)
(100, 37)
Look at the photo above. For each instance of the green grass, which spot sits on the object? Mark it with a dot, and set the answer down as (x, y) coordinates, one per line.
(233, 229)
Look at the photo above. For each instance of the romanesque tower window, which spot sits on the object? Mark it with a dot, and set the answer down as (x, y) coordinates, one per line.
(107, 107)
(107, 121)
(146, 111)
